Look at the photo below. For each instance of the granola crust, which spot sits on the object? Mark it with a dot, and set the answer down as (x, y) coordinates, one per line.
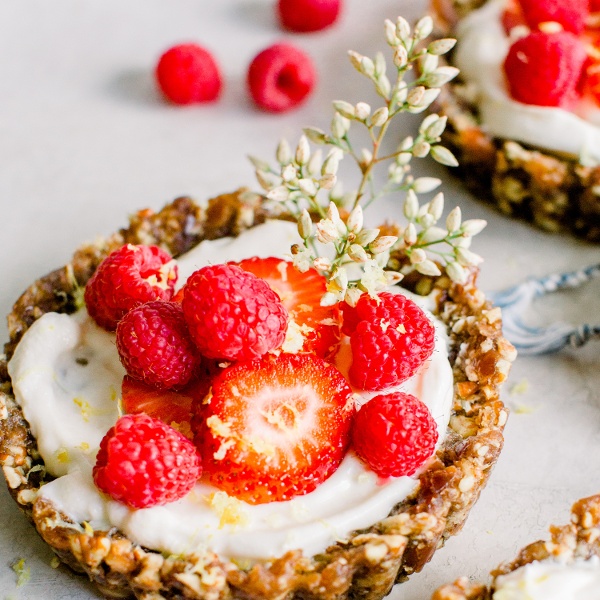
(370, 561)
(553, 191)
(580, 539)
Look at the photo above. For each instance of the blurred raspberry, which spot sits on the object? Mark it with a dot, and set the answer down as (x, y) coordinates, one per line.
(570, 15)
(308, 15)
(188, 74)
(129, 276)
(280, 78)
(232, 314)
(155, 346)
(143, 462)
(545, 69)
(394, 434)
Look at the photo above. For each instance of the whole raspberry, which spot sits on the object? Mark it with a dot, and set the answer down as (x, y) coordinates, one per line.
(570, 15)
(127, 277)
(143, 462)
(188, 74)
(308, 15)
(394, 434)
(280, 78)
(545, 69)
(232, 314)
(390, 338)
(155, 346)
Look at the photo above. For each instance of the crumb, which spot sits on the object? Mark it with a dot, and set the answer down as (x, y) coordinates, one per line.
(22, 570)
(520, 387)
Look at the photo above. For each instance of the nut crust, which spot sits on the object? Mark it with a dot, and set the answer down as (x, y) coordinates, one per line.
(551, 190)
(370, 561)
(580, 539)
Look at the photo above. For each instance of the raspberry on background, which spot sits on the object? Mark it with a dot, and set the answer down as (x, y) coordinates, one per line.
(187, 74)
(155, 346)
(304, 16)
(545, 69)
(571, 15)
(394, 434)
(127, 277)
(280, 77)
(233, 314)
(143, 462)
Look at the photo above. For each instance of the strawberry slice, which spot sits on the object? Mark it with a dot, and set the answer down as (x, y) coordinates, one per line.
(274, 428)
(313, 328)
(172, 407)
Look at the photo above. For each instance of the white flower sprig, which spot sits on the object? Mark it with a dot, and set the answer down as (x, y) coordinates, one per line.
(354, 258)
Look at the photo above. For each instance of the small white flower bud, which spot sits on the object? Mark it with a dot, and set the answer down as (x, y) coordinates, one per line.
(302, 151)
(428, 267)
(328, 181)
(423, 185)
(304, 224)
(352, 296)
(424, 27)
(436, 206)
(332, 161)
(390, 33)
(403, 159)
(340, 278)
(433, 234)
(366, 157)
(316, 135)
(314, 164)
(441, 46)
(279, 194)
(367, 66)
(453, 219)
(344, 108)
(427, 122)
(443, 156)
(393, 277)
(258, 163)
(339, 126)
(456, 272)
(429, 62)
(289, 173)
(307, 187)
(380, 116)
(357, 253)
(401, 91)
(410, 234)
(322, 263)
(411, 205)
(384, 87)
(383, 243)
(426, 220)
(421, 149)
(467, 258)
(266, 180)
(415, 96)
(400, 56)
(406, 143)
(417, 256)
(472, 227)
(329, 299)
(355, 219)
(326, 231)
(283, 153)
(380, 65)
(333, 213)
(436, 128)
(440, 76)
(366, 236)
(402, 29)
(362, 111)
(355, 59)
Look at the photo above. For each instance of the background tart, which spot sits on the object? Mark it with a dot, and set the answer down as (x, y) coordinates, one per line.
(371, 560)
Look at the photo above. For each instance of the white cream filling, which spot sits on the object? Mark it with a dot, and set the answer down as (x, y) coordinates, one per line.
(480, 52)
(551, 580)
(70, 406)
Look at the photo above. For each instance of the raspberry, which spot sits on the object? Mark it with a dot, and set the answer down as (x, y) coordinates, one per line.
(390, 338)
(312, 328)
(155, 346)
(308, 15)
(143, 462)
(129, 276)
(280, 78)
(394, 434)
(232, 314)
(187, 74)
(545, 69)
(571, 15)
(274, 428)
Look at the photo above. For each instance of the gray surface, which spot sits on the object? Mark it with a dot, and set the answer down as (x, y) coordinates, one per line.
(85, 140)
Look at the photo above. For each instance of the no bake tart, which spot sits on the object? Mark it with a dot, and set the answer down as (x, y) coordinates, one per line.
(524, 113)
(566, 565)
(365, 541)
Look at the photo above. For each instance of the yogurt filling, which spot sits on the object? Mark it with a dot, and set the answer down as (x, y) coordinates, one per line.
(67, 376)
(480, 53)
(551, 580)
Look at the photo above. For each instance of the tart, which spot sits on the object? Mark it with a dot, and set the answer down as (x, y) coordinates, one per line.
(568, 561)
(534, 158)
(365, 562)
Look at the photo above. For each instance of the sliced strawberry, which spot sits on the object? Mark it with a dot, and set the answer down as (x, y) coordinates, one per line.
(274, 428)
(172, 407)
(300, 293)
